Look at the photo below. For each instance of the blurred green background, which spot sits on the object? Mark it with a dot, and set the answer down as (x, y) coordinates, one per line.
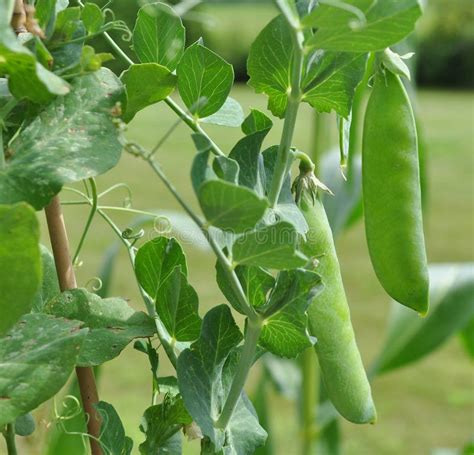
(423, 407)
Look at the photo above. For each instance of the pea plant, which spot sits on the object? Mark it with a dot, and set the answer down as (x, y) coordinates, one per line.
(63, 116)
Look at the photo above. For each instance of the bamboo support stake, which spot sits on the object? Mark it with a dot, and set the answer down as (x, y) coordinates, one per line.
(67, 280)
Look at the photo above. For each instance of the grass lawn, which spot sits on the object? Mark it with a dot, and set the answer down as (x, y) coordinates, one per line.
(421, 407)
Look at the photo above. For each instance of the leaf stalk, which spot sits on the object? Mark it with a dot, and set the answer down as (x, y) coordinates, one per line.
(245, 363)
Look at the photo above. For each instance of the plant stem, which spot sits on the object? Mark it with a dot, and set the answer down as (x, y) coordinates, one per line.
(309, 400)
(9, 434)
(245, 363)
(89, 220)
(294, 99)
(67, 280)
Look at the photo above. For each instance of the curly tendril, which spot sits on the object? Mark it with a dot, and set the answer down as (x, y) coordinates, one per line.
(95, 284)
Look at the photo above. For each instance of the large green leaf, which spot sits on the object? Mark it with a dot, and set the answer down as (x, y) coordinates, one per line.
(74, 138)
(37, 357)
(363, 25)
(20, 262)
(146, 84)
(274, 247)
(451, 309)
(213, 359)
(269, 64)
(112, 323)
(177, 305)
(204, 80)
(230, 207)
(155, 262)
(285, 331)
(112, 434)
(26, 77)
(161, 423)
(158, 36)
(331, 79)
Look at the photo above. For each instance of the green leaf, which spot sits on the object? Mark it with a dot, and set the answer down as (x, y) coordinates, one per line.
(112, 323)
(210, 359)
(45, 10)
(37, 358)
(269, 64)
(68, 27)
(284, 375)
(92, 17)
(329, 440)
(331, 79)
(156, 261)
(256, 121)
(161, 422)
(451, 308)
(50, 285)
(112, 434)
(72, 139)
(204, 80)
(25, 425)
(201, 172)
(247, 154)
(256, 283)
(284, 331)
(226, 169)
(146, 84)
(26, 77)
(177, 305)
(385, 23)
(158, 36)
(230, 114)
(20, 262)
(467, 338)
(274, 247)
(230, 207)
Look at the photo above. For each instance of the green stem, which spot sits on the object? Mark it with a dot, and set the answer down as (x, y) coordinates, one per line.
(309, 400)
(245, 363)
(9, 435)
(89, 219)
(321, 136)
(294, 99)
(191, 122)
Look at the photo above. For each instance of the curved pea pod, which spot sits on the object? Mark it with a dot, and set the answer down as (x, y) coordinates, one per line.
(392, 194)
(341, 365)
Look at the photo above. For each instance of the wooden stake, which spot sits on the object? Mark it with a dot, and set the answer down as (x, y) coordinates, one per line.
(67, 280)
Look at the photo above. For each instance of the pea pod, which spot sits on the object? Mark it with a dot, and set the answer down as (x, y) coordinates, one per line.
(392, 195)
(341, 366)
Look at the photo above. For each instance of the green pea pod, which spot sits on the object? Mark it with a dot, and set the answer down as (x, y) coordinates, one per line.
(392, 194)
(341, 366)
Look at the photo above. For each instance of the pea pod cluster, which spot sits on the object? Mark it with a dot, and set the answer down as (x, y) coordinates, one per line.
(392, 194)
(329, 320)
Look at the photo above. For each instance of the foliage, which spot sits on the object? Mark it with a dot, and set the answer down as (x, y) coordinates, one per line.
(257, 223)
